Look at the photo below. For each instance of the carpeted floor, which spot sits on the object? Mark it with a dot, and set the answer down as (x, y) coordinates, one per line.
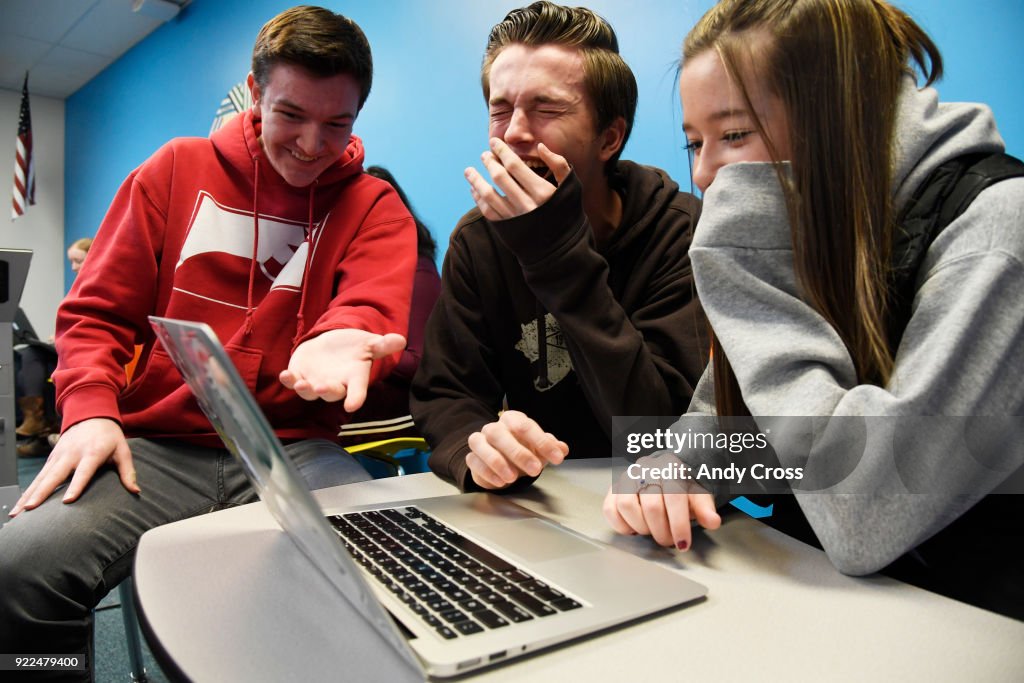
(111, 645)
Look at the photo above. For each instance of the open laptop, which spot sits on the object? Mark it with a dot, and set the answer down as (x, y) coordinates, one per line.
(472, 579)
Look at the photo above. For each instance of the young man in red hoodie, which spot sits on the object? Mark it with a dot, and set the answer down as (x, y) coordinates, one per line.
(270, 232)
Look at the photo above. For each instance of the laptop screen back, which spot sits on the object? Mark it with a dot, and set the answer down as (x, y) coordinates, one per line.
(233, 411)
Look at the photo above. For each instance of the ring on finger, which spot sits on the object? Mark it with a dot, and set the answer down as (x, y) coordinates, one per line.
(644, 485)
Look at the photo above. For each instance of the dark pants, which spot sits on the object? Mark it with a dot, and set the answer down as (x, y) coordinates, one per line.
(58, 561)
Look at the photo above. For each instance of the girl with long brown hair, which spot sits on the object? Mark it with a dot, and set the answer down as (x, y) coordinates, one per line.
(794, 263)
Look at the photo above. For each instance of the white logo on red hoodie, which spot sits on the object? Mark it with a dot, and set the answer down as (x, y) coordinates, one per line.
(220, 230)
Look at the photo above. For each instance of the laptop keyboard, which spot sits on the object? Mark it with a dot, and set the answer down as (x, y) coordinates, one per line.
(456, 586)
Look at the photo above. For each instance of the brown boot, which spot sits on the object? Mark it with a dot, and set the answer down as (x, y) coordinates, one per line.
(36, 447)
(34, 421)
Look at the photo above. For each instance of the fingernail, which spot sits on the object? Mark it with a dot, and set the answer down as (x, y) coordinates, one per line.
(682, 545)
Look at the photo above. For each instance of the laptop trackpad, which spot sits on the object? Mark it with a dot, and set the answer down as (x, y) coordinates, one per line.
(534, 540)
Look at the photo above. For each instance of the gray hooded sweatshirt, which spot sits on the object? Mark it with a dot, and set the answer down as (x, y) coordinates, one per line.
(918, 461)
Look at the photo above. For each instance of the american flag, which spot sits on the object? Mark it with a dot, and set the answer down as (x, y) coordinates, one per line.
(24, 166)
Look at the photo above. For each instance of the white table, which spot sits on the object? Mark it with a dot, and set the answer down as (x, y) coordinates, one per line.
(227, 597)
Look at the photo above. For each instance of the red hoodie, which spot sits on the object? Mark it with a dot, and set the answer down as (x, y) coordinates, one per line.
(179, 240)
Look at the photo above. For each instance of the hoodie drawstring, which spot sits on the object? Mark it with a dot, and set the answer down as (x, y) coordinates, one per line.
(542, 349)
(249, 311)
(300, 323)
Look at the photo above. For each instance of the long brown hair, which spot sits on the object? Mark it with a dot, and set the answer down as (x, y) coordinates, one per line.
(837, 66)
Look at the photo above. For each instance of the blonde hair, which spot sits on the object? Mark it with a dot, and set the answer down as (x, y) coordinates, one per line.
(82, 244)
(838, 67)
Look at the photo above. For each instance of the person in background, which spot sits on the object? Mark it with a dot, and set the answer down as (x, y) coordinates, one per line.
(269, 232)
(813, 141)
(36, 360)
(566, 294)
(385, 413)
(77, 251)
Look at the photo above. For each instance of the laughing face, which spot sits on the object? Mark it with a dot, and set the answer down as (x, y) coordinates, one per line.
(537, 95)
(307, 120)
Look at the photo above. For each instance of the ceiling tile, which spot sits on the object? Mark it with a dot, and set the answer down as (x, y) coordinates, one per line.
(65, 43)
(46, 20)
(110, 29)
(73, 64)
(18, 55)
(51, 82)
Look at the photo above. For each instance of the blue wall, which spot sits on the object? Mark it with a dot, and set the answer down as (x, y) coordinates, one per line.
(425, 118)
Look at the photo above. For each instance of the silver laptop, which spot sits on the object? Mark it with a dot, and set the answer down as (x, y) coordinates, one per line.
(471, 579)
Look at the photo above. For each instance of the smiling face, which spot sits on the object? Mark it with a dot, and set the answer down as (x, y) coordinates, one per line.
(307, 120)
(537, 95)
(719, 127)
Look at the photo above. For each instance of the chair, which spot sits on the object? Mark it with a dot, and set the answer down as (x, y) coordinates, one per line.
(131, 631)
(386, 447)
(392, 457)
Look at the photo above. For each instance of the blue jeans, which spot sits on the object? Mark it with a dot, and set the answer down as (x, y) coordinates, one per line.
(58, 561)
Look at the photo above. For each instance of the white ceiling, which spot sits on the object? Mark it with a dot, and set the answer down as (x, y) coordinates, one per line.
(63, 44)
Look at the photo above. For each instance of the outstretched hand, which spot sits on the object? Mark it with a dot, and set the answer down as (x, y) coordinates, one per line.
(335, 365)
(521, 189)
